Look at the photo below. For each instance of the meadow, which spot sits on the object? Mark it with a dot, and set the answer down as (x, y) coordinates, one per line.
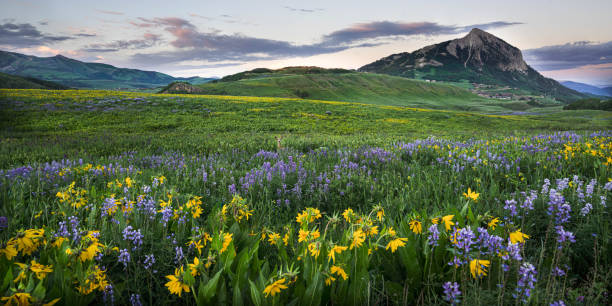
(131, 198)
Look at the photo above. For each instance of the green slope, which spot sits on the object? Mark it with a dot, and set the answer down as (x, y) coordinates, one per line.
(349, 86)
(79, 74)
(18, 82)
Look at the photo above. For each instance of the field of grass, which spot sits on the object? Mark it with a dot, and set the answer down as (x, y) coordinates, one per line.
(356, 87)
(134, 198)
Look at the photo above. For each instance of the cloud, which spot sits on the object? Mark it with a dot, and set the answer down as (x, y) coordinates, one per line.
(85, 35)
(303, 10)
(378, 29)
(570, 55)
(110, 12)
(26, 35)
(192, 44)
(147, 41)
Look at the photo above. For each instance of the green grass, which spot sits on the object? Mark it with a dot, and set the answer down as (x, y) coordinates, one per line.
(356, 87)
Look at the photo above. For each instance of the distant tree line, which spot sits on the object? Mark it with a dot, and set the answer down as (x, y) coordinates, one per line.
(590, 103)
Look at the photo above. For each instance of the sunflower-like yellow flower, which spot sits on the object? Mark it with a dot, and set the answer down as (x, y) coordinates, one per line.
(197, 245)
(358, 238)
(193, 268)
(380, 214)
(18, 299)
(471, 195)
(339, 271)
(175, 284)
(493, 223)
(518, 236)
(227, 239)
(371, 230)
(28, 241)
(40, 270)
(9, 251)
(304, 235)
(314, 249)
(478, 267)
(337, 249)
(275, 287)
(348, 214)
(286, 239)
(330, 279)
(416, 226)
(273, 238)
(396, 243)
(447, 220)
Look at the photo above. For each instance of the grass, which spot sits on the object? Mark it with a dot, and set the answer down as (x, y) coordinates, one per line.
(94, 184)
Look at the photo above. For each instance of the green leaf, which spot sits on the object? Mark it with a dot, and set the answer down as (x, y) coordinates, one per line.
(256, 293)
(208, 291)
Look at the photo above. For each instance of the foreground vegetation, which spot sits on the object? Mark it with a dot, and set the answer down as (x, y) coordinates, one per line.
(467, 217)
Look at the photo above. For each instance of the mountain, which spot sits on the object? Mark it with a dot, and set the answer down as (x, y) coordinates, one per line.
(180, 88)
(19, 82)
(345, 85)
(73, 73)
(589, 89)
(479, 57)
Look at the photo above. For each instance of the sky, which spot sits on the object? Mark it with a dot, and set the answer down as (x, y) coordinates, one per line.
(565, 40)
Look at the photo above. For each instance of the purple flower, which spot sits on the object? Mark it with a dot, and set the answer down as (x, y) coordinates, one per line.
(557, 272)
(108, 206)
(564, 236)
(557, 303)
(558, 207)
(3, 222)
(586, 209)
(179, 254)
(109, 296)
(465, 238)
(526, 282)
(133, 235)
(124, 257)
(511, 207)
(149, 261)
(451, 292)
(135, 300)
(434, 235)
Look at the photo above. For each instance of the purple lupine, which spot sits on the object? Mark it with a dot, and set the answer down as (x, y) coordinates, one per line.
(465, 238)
(135, 299)
(526, 282)
(109, 295)
(108, 206)
(556, 271)
(511, 207)
(124, 257)
(455, 262)
(129, 234)
(608, 186)
(74, 225)
(546, 186)
(434, 235)
(451, 292)
(558, 207)
(564, 236)
(557, 303)
(513, 251)
(3, 222)
(167, 213)
(149, 261)
(528, 202)
(178, 254)
(586, 209)
(63, 230)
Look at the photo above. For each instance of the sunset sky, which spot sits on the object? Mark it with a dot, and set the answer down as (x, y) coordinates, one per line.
(566, 40)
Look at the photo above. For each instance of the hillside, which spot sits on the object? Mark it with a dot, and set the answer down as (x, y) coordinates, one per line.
(588, 89)
(74, 73)
(18, 82)
(345, 85)
(479, 57)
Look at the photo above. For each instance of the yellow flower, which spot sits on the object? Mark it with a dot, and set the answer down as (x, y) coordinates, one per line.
(391, 232)
(40, 270)
(309, 215)
(493, 223)
(286, 239)
(18, 299)
(358, 238)
(275, 287)
(28, 241)
(371, 230)
(447, 220)
(518, 237)
(380, 214)
(348, 214)
(329, 280)
(194, 267)
(471, 195)
(9, 251)
(396, 243)
(416, 226)
(197, 244)
(339, 271)
(176, 285)
(435, 220)
(227, 239)
(337, 249)
(478, 267)
(90, 252)
(196, 212)
(314, 249)
(272, 238)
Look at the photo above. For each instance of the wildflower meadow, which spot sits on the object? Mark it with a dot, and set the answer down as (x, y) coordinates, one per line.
(453, 219)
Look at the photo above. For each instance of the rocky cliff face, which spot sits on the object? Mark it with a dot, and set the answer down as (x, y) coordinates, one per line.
(479, 57)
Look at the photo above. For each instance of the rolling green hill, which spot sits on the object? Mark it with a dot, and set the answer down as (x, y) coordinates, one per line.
(18, 82)
(344, 85)
(478, 57)
(73, 73)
